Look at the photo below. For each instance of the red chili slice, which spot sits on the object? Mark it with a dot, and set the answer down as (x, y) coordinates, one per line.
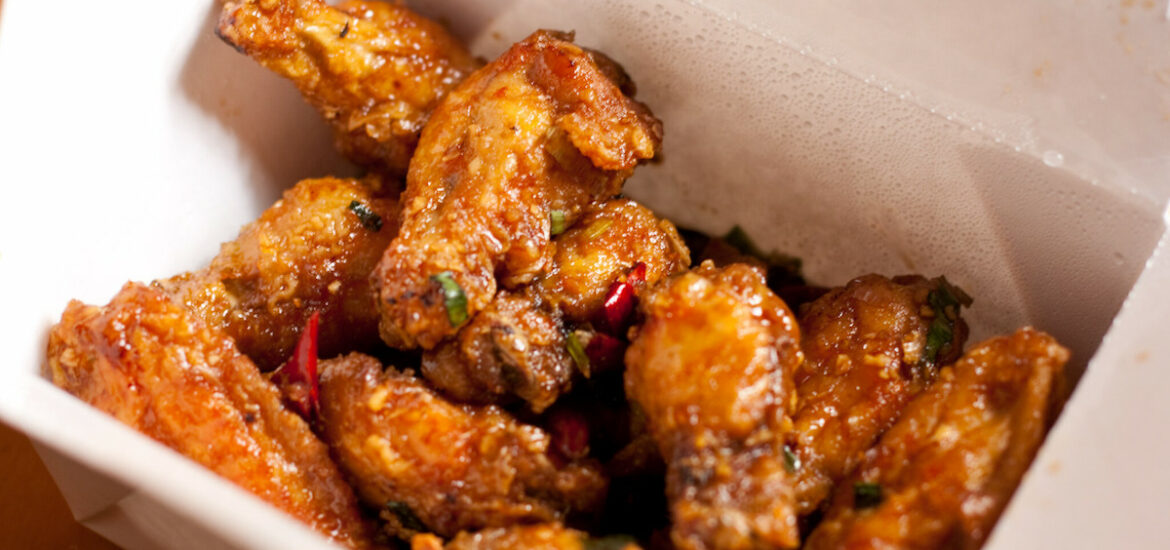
(297, 377)
(617, 312)
(605, 352)
(570, 434)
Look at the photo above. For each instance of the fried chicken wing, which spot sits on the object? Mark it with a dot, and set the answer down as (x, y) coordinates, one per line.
(543, 536)
(868, 351)
(374, 70)
(711, 368)
(541, 132)
(604, 245)
(517, 345)
(164, 372)
(944, 472)
(311, 251)
(433, 466)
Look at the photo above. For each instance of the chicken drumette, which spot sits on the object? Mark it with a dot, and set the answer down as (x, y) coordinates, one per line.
(374, 70)
(711, 368)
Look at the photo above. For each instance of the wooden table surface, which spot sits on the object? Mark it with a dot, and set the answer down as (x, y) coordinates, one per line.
(33, 514)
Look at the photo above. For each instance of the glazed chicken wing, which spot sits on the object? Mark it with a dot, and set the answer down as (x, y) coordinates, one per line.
(374, 70)
(538, 134)
(711, 368)
(542, 536)
(164, 372)
(433, 466)
(869, 347)
(944, 472)
(312, 251)
(517, 345)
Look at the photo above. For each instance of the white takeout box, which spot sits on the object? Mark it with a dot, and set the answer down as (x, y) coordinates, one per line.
(1022, 148)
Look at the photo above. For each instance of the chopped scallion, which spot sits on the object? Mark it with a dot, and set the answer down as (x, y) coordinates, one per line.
(791, 461)
(453, 297)
(866, 495)
(370, 219)
(577, 352)
(556, 220)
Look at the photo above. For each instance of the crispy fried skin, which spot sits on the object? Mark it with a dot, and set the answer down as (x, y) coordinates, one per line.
(863, 345)
(711, 367)
(949, 465)
(516, 346)
(164, 372)
(308, 252)
(436, 466)
(542, 536)
(540, 129)
(608, 240)
(374, 70)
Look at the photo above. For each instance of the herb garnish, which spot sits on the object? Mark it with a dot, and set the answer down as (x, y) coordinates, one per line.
(453, 297)
(577, 352)
(370, 220)
(556, 219)
(405, 516)
(791, 461)
(782, 268)
(945, 301)
(610, 542)
(866, 495)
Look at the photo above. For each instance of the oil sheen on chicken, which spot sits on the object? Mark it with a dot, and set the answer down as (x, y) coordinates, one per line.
(374, 70)
(517, 346)
(434, 466)
(866, 347)
(164, 372)
(711, 368)
(540, 132)
(943, 473)
(312, 251)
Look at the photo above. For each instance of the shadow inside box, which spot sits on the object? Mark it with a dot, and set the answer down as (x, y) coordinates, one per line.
(282, 137)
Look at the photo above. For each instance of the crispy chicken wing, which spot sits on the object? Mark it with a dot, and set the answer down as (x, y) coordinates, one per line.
(517, 345)
(164, 372)
(433, 466)
(539, 133)
(311, 251)
(374, 70)
(712, 367)
(542, 536)
(944, 472)
(868, 351)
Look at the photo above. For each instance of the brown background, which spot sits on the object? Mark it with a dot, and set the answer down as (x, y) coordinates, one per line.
(32, 512)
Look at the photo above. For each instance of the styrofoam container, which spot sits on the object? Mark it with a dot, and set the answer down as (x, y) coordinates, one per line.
(1022, 148)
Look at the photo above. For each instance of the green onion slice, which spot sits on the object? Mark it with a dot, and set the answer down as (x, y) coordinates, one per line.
(866, 495)
(556, 220)
(791, 461)
(577, 352)
(453, 297)
(370, 219)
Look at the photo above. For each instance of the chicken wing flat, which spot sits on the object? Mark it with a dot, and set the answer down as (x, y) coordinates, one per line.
(433, 466)
(540, 133)
(374, 70)
(711, 368)
(869, 347)
(943, 473)
(312, 251)
(162, 371)
(517, 345)
(542, 536)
